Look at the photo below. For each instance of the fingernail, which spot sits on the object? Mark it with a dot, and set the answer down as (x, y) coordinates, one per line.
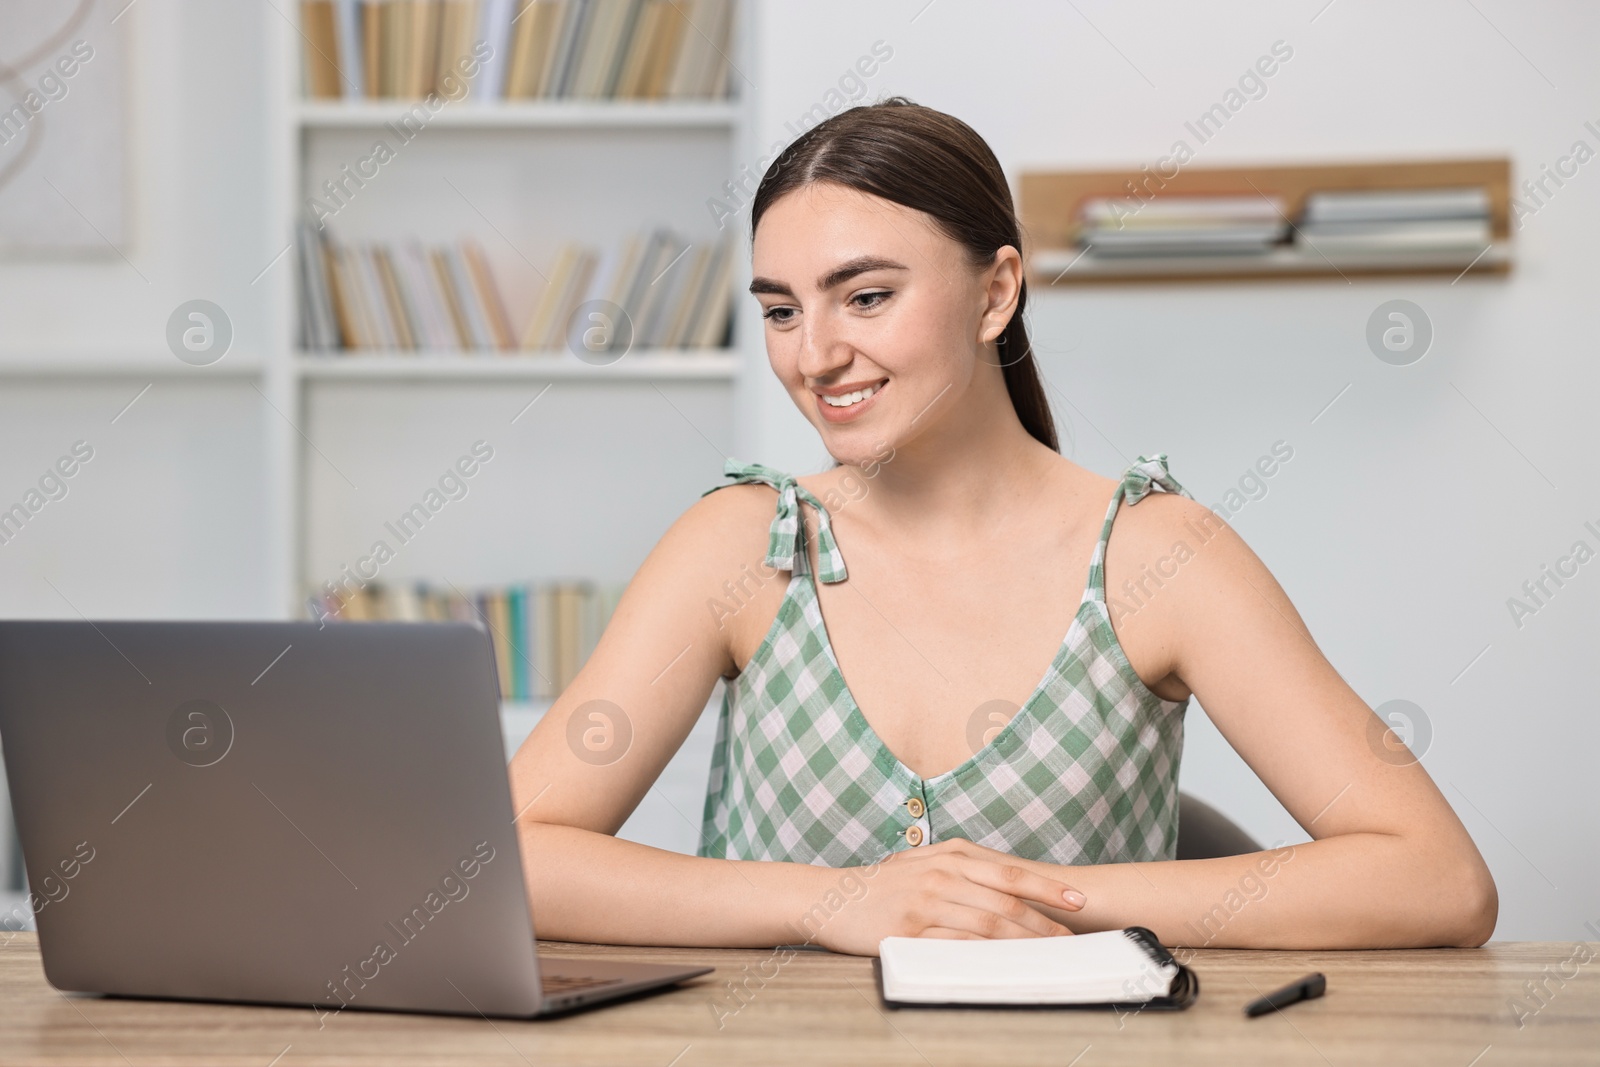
(1075, 898)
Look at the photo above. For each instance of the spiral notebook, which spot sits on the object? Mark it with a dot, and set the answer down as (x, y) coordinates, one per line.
(1112, 969)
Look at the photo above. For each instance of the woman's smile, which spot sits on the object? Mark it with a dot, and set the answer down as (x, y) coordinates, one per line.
(844, 403)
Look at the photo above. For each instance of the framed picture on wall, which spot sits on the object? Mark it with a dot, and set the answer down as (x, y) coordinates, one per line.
(63, 126)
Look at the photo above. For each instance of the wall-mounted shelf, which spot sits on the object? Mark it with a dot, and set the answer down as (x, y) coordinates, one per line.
(1050, 202)
(1068, 266)
(489, 366)
(535, 114)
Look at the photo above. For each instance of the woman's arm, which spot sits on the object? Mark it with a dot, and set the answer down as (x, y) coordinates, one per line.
(599, 749)
(1389, 865)
(635, 700)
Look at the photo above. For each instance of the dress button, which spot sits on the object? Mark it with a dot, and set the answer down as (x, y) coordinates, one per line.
(914, 835)
(915, 806)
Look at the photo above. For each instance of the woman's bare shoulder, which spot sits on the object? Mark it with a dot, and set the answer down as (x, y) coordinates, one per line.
(722, 540)
(1082, 482)
(721, 531)
(1159, 521)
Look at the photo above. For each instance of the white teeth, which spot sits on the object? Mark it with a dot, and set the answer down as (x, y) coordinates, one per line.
(850, 398)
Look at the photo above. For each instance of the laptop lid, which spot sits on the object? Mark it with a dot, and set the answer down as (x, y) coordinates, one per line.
(269, 812)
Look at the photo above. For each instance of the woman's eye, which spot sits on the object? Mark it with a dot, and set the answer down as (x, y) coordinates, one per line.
(777, 314)
(872, 300)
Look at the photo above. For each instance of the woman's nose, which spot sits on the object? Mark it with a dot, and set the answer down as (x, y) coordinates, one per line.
(823, 346)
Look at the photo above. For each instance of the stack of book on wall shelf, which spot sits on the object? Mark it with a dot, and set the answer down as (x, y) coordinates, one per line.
(1371, 223)
(543, 632)
(517, 49)
(407, 297)
(1433, 216)
(1181, 226)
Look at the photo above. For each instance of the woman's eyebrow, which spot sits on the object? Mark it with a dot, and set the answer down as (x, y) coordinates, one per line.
(842, 273)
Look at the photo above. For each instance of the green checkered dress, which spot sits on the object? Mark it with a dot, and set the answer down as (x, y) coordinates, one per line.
(1085, 772)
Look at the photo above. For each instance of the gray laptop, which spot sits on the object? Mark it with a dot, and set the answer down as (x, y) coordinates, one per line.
(273, 812)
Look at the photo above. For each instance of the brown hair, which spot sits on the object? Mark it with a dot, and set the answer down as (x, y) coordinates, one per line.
(934, 163)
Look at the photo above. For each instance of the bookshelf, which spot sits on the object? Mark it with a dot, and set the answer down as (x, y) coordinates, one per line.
(1050, 202)
(523, 175)
(611, 453)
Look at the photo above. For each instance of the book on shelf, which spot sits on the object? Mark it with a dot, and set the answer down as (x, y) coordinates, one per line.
(543, 632)
(377, 297)
(319, 328)
(320, 30)
(1401, 221)
(675, 293)
(1181, 225)
(495, 29)
(405, 297)
(1399, 236)
(1378, 205)
(517, 49)
(1189, 240)
(1112, 212)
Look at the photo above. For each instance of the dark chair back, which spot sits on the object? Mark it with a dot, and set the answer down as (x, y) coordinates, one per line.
(1205, 833)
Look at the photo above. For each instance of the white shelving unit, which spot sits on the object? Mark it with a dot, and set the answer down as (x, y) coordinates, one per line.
(574, 153)
(519, 177)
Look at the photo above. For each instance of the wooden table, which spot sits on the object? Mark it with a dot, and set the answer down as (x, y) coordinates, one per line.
(1444, 1006)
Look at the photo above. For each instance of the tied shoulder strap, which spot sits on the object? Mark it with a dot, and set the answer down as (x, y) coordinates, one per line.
(786, 537)
(1147, 473)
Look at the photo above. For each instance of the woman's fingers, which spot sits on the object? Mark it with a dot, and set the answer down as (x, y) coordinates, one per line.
(1018, 881)
(990, 922)
(1017, 911)
(959, 890)
(948, 934)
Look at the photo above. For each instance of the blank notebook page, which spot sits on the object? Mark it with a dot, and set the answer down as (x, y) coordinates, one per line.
(1070, 969)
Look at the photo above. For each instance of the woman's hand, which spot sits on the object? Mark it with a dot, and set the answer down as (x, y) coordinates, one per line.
(952, 889)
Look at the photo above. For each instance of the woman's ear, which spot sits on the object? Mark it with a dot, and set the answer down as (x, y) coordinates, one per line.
(1002, 290)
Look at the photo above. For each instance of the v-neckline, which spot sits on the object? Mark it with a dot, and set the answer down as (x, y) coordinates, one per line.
(1052, 670)
(866, 727)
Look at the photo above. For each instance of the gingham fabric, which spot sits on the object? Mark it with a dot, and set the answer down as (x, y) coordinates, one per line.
(786, 538)
(1085, 772)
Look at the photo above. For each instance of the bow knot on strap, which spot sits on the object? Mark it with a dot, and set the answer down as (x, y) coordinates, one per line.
(1149, 472)
(786, 538)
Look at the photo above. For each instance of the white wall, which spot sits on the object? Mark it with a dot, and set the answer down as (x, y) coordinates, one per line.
(168, 519)
(1407, 516)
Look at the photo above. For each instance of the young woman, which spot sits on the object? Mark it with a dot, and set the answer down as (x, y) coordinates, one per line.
(889, 761)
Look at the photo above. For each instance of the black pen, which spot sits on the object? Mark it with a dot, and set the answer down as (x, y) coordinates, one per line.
(1312, 985)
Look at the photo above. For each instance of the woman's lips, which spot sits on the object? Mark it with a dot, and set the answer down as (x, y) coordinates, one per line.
(854, 411)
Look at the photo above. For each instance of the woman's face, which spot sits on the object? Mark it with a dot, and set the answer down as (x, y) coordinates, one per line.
(875, 321)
